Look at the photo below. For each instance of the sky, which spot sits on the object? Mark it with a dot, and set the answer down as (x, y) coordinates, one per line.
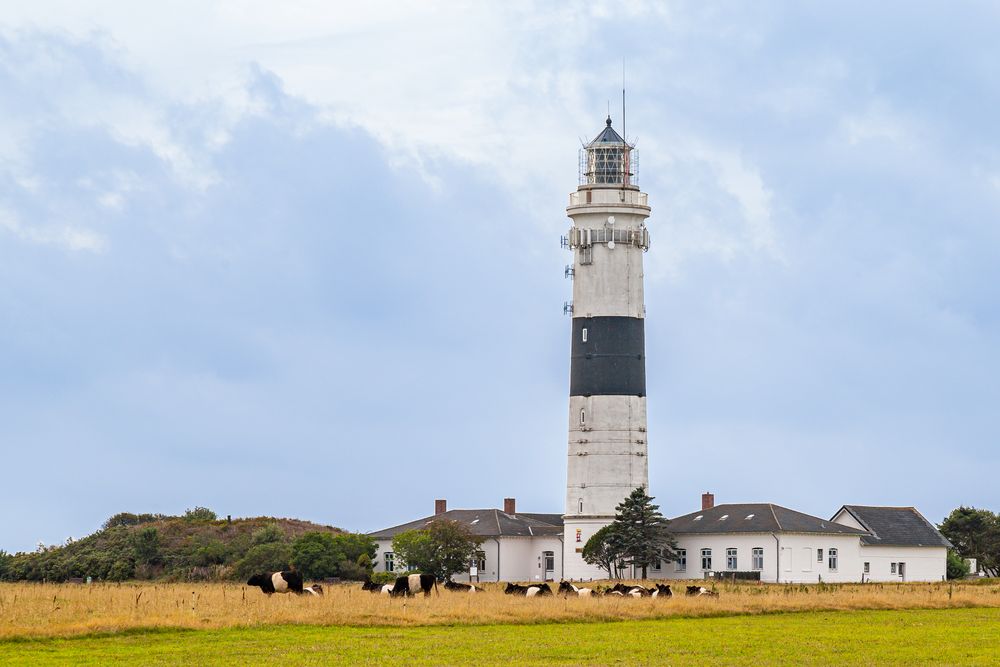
(303, 259)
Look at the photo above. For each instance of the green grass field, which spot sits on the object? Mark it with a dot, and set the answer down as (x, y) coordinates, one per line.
(939, 637)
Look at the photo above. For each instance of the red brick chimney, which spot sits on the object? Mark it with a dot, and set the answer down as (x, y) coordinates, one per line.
(440, 506)
(707, 501)
(509, 506)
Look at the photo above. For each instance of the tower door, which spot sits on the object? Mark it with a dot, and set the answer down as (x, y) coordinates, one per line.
(549, 564)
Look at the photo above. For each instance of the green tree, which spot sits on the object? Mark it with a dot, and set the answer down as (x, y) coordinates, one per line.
(604, 550)
(317, 555)
(642, 532)
(975, 533)
(267, 557)
(441, 549)
(146, 545)
(957, 567)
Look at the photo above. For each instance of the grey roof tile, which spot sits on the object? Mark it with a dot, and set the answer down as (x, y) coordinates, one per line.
(486, 523)
(755, 518)
(896, 526)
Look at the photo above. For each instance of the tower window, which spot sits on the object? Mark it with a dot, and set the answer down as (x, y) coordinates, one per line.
(585, 334)
(581, 511)
(583, 416)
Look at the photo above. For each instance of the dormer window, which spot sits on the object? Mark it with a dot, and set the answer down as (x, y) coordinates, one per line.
(749, 516)
(698, 518)
(723, 517)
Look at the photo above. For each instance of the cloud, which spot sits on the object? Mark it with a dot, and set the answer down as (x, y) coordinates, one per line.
(67, 237)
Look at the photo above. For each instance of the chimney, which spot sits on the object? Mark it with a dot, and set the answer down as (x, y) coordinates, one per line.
(440, 506)
(509, 506)
(707, 501)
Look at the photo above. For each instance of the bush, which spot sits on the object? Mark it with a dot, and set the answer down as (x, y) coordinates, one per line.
(146, 545)
(384, 577)
(267, 534)
(121, 570)
(269, 557)
(957, 566)
(200, 514)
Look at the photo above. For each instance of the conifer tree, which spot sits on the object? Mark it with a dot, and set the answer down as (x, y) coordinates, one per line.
(642, 532)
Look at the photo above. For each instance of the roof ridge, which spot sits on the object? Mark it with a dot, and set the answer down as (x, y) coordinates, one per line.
(775, 515)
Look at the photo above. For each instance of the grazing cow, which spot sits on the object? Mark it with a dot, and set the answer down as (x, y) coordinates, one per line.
(700, 590)
(278, 582)
(315, 589)
(528, 591)
(663, 591)
(566, 588)
(412, 584)
(372, 587)
(463, 588)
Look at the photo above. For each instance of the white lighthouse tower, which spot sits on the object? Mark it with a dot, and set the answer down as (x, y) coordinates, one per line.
(607, 404)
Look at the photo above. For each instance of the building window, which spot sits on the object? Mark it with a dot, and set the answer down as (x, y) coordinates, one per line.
(550, 560)
(758, 558)
(868, 568)
(658, 563)
(581, 512)
(706, 559)
(832, 561)
(681, 564)
(730, 559)
(892, 568)
(585, 334)
(583, 416)
(390, 561)
(819, 555)
(479, 561)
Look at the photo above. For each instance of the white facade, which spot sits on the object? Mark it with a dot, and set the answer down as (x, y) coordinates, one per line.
(505, 558)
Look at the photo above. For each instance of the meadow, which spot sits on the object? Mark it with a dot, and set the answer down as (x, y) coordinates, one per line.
(64, 610)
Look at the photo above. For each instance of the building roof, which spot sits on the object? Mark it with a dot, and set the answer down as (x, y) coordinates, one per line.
(486, 523)
(896, 526)
(755, 518)
(607, 136)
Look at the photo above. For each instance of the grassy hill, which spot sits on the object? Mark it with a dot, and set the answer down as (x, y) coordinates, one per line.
(154, 546)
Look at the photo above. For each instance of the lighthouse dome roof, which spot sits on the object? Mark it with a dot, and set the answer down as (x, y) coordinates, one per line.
(607, 135)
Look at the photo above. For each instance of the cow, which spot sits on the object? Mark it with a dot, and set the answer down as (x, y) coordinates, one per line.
(372, 587)
(663, 591)
(528, 591)
(411, 584)
(631, 591)
(566, 588)
(694, 591)
(286, 581)
(457, 587)
(315, 589)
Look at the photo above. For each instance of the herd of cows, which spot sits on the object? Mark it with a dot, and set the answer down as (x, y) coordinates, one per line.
(289, 581)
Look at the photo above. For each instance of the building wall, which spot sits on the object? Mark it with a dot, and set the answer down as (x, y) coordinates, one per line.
(789, 559)
(922, 563)
(512, 559)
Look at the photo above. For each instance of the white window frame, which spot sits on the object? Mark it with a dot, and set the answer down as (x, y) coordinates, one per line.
(706, 560)
(757, 559)
(819, 555)
(681, 564)
(868, 567)
(389, 559)
(584, 334)
(832, 559)
(892, 568)
(732, 558)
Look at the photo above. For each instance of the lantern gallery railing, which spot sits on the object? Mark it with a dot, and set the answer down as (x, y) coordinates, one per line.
(585, 238)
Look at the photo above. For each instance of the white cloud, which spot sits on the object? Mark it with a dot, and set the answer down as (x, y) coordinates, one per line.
(67, 237)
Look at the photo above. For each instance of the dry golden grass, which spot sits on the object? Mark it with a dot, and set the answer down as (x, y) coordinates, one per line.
(37, 610)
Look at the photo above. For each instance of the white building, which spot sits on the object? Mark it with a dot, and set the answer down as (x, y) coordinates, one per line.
(516, 546)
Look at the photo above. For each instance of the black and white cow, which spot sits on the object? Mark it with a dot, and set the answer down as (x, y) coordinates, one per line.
(286, 581)
(663, 591)
(460, 588)
(413, 584)
(700, 590)
(629, 591)
(384, 589)
(315, 589)
(566, 588)
(530, 590)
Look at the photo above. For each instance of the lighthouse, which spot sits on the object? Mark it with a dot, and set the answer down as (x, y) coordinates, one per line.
(607, 449)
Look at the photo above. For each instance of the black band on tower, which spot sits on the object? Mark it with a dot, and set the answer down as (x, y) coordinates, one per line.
(612, 359)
